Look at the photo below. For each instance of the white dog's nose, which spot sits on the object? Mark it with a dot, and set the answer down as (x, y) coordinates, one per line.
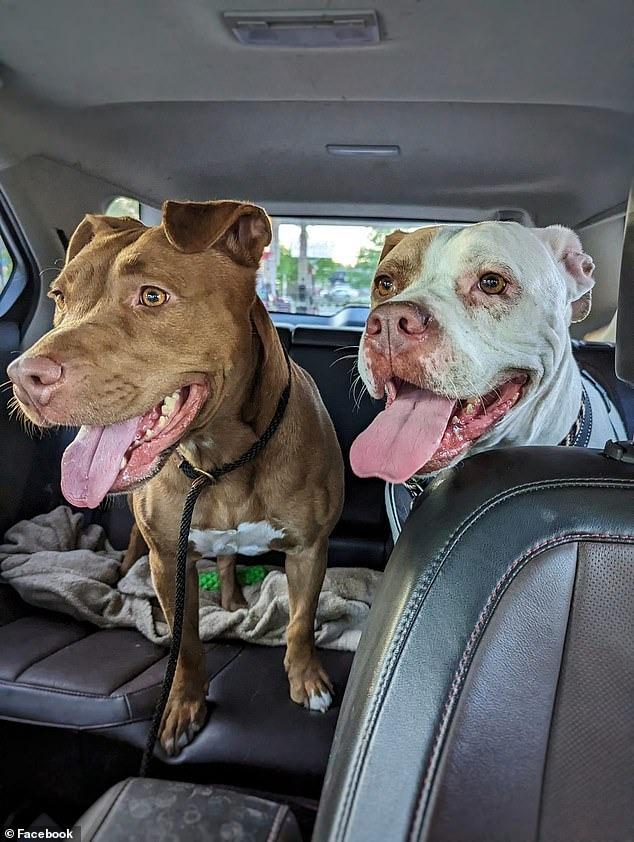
(399, 321)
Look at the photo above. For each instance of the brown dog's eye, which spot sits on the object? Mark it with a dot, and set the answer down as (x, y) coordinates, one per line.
(153, 297)
(492, 283)
(384, 285)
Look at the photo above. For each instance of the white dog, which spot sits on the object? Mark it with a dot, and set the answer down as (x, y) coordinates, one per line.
(468, 339)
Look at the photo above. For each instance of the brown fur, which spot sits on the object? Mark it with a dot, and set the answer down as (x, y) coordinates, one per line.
(120, 359)
(406, 265)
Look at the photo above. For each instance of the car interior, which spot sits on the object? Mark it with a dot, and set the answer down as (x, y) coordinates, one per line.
(491, 694)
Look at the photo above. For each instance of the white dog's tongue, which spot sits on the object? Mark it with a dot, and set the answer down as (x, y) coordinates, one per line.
(91, 462)
(403, 437)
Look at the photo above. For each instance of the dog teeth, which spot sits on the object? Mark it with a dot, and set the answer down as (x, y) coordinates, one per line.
(124, 462)
(149, 434)
(469, 408)
(162, 421)
(168, 403)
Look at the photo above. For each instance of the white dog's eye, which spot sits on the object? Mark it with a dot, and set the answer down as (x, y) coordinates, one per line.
(492, 283)
(384, 284)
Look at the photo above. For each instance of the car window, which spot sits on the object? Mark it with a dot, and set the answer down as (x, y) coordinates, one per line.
(319, 266)
(6, 265)
(124, 206)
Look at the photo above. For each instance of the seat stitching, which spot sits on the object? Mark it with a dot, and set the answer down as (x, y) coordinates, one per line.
(158, 683)
(228, 663)
(464, 664)
(80, 693)
(55, 690)
(116, 694)
(415, 602)
(407, 617)
(93, 726)
(556, 695)
(48, 655)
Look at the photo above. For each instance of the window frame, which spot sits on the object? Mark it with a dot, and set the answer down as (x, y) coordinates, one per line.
(13, 242)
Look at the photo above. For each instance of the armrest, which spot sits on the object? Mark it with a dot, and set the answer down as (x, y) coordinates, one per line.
(146, 808)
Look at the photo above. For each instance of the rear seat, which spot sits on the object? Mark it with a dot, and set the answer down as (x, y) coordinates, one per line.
(360, 538)
(57, 673)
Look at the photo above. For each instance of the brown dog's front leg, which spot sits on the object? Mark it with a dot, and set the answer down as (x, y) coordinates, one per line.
(136, 548)
(309, 682)
(186, 708)
(231, 596)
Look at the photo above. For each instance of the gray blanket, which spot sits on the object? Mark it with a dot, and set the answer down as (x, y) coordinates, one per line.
(54, 562)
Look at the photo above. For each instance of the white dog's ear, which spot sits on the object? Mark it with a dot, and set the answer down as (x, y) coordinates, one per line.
(391, 240)
(576, 266)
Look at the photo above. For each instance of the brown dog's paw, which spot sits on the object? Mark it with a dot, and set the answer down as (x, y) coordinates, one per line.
(311, 687)
(181, 722)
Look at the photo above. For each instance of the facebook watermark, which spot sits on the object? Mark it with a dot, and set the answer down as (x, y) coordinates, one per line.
(73, 833)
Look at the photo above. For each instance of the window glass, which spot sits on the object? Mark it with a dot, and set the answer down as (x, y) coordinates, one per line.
(320, 266)
(124, 206)
(6, 265)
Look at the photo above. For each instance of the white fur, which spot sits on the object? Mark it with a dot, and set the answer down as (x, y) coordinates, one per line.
(531, 335)
(246, 539)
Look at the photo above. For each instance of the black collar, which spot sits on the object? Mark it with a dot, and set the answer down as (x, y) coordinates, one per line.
(579, 433)
(256, 448)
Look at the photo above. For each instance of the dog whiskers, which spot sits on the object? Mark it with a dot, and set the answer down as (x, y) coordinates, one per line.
(15, 411)
(357, 398)
(344, 357)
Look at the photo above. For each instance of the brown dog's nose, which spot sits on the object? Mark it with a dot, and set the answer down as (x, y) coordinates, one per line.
(398, 321)
(34, 378)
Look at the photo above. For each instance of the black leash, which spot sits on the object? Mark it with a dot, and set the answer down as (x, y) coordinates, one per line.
(200, 480)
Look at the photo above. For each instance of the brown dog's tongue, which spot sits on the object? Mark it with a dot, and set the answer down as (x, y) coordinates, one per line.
(402, 438)
(91, 462)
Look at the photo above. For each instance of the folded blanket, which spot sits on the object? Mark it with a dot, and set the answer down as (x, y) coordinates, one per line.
(55, 563)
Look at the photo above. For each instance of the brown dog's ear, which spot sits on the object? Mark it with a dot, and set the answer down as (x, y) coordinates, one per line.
(391, 240)
(243, 229)
(93, 224)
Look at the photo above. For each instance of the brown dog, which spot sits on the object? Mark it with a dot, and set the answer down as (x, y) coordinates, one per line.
(161, 349)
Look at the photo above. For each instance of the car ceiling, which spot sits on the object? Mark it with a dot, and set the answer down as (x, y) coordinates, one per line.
(493, 104)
